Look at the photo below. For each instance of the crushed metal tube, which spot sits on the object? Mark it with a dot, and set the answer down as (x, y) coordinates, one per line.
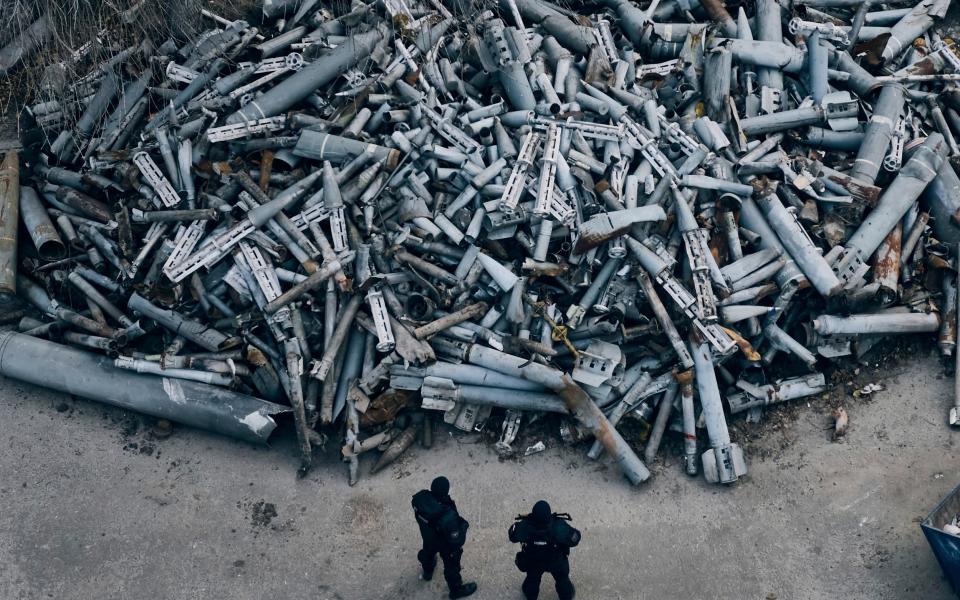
(487, 214)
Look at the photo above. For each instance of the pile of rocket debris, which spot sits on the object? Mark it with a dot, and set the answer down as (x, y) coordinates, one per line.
(485, 212)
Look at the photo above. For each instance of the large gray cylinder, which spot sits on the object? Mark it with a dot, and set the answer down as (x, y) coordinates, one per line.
(942, 200)
(93, 376)
(305, 81)
(25, 44)
(769, 25)
(317, 145)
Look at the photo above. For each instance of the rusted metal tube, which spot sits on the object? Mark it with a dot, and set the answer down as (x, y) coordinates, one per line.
(464, 314)
(9, 222)
(886, 265)
(310, 283)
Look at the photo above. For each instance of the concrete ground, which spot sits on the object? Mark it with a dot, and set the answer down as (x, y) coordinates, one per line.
(92, 506)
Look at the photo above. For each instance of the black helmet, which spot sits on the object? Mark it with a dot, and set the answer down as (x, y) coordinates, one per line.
(440, 487)
(541, 513)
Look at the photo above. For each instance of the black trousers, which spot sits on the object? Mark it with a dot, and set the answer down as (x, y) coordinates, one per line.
(451, 561)
(559, 568)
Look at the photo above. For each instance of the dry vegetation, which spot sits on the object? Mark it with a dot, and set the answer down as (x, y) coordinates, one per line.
(99, 28)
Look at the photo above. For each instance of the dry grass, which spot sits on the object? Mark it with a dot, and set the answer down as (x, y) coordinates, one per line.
(103, 27)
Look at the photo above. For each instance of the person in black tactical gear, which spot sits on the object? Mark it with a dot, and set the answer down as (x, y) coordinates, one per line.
(444, 532)
(545, 540)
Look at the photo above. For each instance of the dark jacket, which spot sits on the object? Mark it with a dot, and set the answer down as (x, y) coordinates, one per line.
(440, 523)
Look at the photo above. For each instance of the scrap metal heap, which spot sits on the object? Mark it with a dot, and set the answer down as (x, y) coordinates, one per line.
(664, 213)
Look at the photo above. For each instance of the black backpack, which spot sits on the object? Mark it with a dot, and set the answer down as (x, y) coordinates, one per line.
(562, 532)
(441, 518)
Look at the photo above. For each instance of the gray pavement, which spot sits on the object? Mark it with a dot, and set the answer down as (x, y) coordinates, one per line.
(94, 507)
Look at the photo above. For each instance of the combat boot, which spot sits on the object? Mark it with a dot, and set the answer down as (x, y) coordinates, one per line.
(463, 590)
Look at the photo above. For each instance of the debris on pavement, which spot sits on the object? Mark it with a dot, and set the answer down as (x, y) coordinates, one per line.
(868, 389)
(534, 449)
(840, 423)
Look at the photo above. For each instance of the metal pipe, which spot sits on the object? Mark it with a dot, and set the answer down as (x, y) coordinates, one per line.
(153, 368)
(775, 393)
(953, 417)
(99, 299)
(332, 348)
(44, 235)
(26, 43)
(664, 411)
(663, 317)
(434, 327)
(685, 381)
(886, 265)
(789, 277)
(165, 216)
(318, 145)
(294, 367)
(769, 24)
(462, 374)
(626, 403)
(307, 285)
(799, 245)
(437, 389)
(942, 199)
(909, 28)
(772, 55)
(798, 117)
(882, 323)
(817, 60)
(723, 462)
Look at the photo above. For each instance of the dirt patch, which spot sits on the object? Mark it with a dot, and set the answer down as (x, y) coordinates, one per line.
(262, 513)
(362, 513)
(264, 517)
(141, 448)
(134, 431)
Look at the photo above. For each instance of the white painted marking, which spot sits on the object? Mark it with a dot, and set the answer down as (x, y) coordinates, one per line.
(256, 421)
(174, 391)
